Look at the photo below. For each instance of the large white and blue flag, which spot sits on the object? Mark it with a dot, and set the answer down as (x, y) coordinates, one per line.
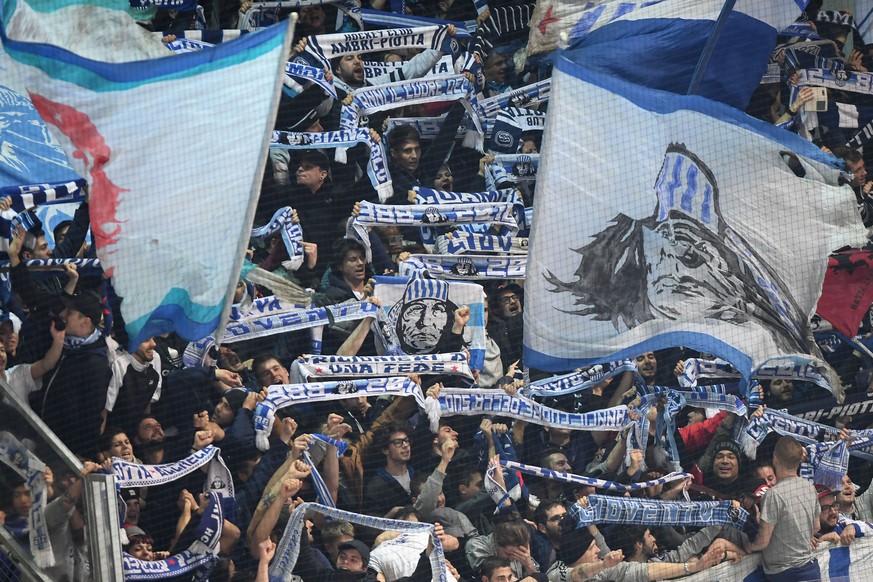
(658, 43)
(170, 216)
(667, 220)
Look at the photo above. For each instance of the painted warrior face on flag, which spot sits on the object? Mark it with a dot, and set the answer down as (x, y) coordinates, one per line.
(423, 317)
(684, 259)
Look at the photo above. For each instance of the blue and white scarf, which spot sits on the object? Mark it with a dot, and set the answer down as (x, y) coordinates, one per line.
(856, 82)
(254, 308)
(826, 464)
(84, 266)
(460, 401)
(200, 555)
(470, 267)
(373, 69)
(211, 37)
(427, 127)
(651, 512)
(581, 379)
(274, 323)
(785, 369)
(187, 45)
(512, 168)
(77, 342)
(181, 5)
(459, 242)
(308, 366)
(322, 48)
(135, 475)
(289, 546)
(813, 54)
(598, 483)
(499, 214)
(292, 235)
(368, 100)
(26, 465)
(281, 396)
(377, 168)
(298, 68)
(429, 196)
(321, 489)
(509, 126)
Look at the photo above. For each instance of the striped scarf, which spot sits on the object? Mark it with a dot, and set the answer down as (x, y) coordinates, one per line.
(512, 168)
(374, 69)
(289, 547)
(463, 242)
(500, 214)
(298, 68)
(292, 236)
(322, 48)
(459, 401)
(651, 512)
(470, 267)
(275, 323)
(200, 556)
(26, 465)
(582, 379)
(383, 19)
(377, 168)
(509, 126)
(598, 483)
(258, 15)
(307, 366)
(281, 396)
(371, 99)
(502, 23)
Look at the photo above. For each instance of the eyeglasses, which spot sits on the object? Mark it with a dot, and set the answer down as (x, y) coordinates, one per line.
(835, 507)
(399, 442)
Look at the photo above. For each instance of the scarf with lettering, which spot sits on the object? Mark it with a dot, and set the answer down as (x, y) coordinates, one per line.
(322, 48)
(201, 555)
(298, 68)
(509, 126)
(511, 168)
(508, 195)
(307, 366)
(460, 401)
(26, 465)
(653, 512)
(854, 81)
(274, 323)
(471, 267)
(135, 475)
(321, 489)
(289, 546)
(812, 54)
(581, 379)
(84, 266)
(427, 127)
(281, 396)
(76, 342)
(292, 235)
(377, 168)
(373, 69)
(187, 45)
(786, 369)
(384, 19)
(459, 242)
(499, 214)
(436, 89)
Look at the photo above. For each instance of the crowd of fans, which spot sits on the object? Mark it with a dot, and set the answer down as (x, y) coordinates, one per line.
(62, 351)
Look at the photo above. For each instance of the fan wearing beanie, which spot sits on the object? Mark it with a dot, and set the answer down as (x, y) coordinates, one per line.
(726, 470)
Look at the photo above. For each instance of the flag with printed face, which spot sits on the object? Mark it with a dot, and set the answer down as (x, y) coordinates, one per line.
(173, 148)
(418, 314)
(658, 43)
(718, 240)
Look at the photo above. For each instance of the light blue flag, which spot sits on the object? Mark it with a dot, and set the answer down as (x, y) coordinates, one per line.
(170, 218)
(715, 243)
(31, 161)
(659, 43)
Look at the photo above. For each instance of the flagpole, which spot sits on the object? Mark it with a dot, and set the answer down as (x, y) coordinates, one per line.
(706, 54)
(256, 185)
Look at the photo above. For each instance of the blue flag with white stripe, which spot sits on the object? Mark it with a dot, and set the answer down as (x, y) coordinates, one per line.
(170, 222)
(693, 252)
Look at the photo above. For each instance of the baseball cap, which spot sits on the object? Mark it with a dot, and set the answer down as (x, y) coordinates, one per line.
(356, 545)
(86, 304)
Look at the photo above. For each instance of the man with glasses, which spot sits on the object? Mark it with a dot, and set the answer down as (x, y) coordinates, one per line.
(390, 486)
(832, 528)
(547, 540)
